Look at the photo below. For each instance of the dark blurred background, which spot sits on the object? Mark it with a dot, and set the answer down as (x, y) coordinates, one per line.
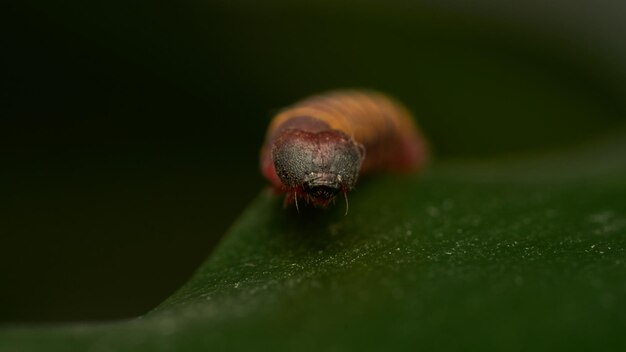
(129, 131)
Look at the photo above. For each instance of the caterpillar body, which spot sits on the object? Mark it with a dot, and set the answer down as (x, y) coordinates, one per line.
(318, 147)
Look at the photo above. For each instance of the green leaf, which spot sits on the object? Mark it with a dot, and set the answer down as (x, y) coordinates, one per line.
(511, 254)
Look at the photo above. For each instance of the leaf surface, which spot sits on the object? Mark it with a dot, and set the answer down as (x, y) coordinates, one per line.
(510, 254)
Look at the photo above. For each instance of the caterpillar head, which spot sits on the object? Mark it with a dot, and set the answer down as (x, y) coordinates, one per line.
(317, 165)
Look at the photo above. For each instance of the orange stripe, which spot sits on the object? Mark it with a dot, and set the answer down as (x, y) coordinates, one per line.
(366, 116)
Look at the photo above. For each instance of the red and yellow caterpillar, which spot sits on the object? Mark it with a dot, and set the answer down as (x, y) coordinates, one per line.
(318, 147)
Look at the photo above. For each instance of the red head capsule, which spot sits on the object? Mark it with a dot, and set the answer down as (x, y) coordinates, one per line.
(317, 148)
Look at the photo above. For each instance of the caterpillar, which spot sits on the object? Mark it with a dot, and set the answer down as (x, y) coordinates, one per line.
(317, 148)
